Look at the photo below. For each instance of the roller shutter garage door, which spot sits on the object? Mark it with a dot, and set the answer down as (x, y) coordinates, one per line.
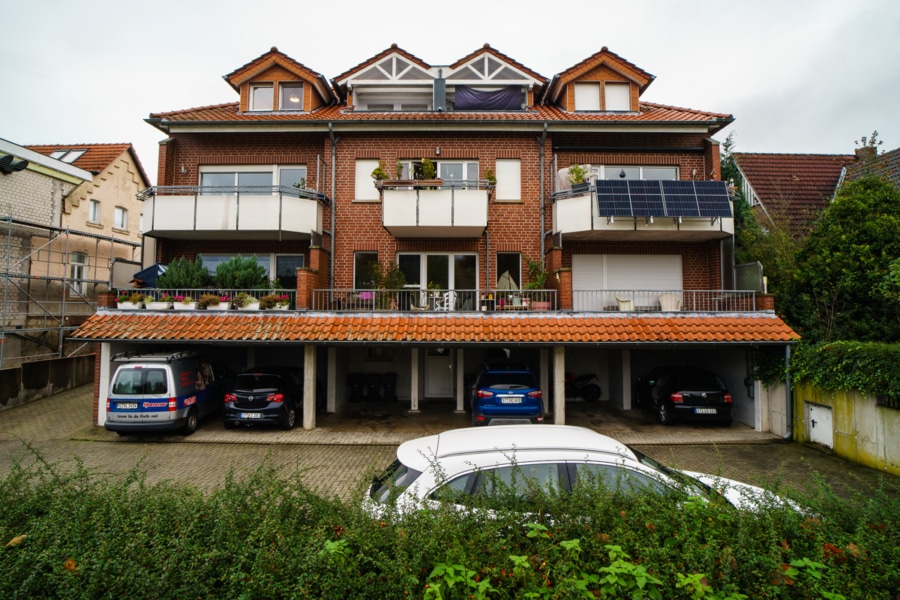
(591, 272)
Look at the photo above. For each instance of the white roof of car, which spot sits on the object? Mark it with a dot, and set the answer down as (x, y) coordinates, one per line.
(419, 453)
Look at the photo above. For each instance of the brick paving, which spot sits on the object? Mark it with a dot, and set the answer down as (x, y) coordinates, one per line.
(338, 456)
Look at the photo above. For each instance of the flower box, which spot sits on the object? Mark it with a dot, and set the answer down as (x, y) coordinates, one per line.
(159, 306)
(129, 305)
(185, 306)
(219, 306)
(251, 306)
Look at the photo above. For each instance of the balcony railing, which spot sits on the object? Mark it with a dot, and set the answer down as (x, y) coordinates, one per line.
(232, 212)
(435, 208)
(416, 299)
(664, 300)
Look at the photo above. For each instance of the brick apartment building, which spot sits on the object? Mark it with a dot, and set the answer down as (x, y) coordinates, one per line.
(639, 264)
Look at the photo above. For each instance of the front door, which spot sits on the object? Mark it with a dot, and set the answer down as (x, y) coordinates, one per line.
(821, 430)
(439, 373)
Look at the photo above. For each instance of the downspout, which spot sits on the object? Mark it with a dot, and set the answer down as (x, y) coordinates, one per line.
(788, 399)
(334, 142)
(541, 141)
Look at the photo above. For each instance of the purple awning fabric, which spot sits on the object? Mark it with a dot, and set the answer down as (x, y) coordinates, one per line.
(467, 98)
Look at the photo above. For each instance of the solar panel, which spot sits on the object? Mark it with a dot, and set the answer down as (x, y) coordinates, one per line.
(646, 198)
(681, 200)
(613, 198)
(652, 198)
(712, 197)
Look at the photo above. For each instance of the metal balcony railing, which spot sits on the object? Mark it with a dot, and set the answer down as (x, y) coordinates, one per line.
(664, 300)
(416, 299)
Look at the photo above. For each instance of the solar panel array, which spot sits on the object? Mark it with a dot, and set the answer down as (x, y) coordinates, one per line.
(640, 198)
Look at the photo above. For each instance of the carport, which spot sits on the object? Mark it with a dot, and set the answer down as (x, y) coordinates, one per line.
(620, 342)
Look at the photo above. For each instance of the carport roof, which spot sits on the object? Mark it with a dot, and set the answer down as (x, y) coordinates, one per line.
(436, 329)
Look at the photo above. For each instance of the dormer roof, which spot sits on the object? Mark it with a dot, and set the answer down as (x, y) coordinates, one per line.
(392, 64)
(92, 157)
(487, 65)
(603, 58)
(274, 58)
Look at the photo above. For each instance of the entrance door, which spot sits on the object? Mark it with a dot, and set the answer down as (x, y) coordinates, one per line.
(439, 373)
(821, 430)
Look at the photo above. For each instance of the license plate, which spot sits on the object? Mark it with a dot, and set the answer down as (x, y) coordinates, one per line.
(511, 400)
(704, 411)
(126, 405)
(250, 415)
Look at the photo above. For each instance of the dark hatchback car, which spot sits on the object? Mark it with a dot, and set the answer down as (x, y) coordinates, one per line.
(265, 395)
(685, 393)
(505, 394)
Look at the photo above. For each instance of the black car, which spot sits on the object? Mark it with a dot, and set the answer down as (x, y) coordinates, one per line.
(505, 393)
(685, 393)
(269, 395)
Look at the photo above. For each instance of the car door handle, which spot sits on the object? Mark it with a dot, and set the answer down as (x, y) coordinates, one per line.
(813, 422)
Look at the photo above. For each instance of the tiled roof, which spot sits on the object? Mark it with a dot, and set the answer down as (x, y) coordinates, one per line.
(394, 49)
(604, 56)
(97, 157)
(885, 165)
(230, 113)
(793, 186)
(332, 328)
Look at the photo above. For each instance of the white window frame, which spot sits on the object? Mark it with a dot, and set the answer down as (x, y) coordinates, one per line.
(617, 96)
(273, 170)
(284, 86)
(365, 186)
(120, 218)
(509, 180)
(266, 260)
(612, 171)
(78, 264)
(451, 266)
(253, 103)
(94, 212)
(587, 96)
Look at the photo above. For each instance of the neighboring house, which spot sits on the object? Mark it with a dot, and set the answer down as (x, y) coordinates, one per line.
(70, 253)
(885, 165)
(790, 189)
(639, 264)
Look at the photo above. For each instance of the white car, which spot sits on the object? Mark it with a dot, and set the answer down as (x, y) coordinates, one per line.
(475, 461)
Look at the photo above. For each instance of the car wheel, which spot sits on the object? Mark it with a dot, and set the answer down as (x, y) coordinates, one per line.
(289, 418)
(592, 393)
(122, 433)
(727, 422)
(230, 425)
(664, 413)
(190, 425)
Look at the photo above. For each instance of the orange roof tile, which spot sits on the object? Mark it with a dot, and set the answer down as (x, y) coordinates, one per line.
(450, 329)
(97, 157)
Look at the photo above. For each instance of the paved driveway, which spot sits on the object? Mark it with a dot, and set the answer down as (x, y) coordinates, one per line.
(337, 457)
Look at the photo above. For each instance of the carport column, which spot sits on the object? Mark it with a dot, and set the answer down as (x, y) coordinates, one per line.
(460, 392)
(414, 380)
(105, 372)
(544, 366)
(331, 402)
(626, 379)
(309, 387)
(559, 385)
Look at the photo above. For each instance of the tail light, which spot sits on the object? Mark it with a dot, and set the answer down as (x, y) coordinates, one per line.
(727, 398)
(535, 394)
(275, 398)
(484, 394)
(677, 397)
(173, 404)
(230, 398)
(479, 418)
(107, 405)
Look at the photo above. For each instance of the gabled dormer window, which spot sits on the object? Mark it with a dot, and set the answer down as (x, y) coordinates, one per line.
(262, 96)
(291, 96)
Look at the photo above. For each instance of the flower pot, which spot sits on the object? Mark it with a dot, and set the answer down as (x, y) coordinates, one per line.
(251, 306)
(285, 307)
(185, 306)
(540, 305)
(581, 188)
(159, 305)
(129, 305)
(219, 306)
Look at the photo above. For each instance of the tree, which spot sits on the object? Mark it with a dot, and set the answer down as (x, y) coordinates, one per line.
(848, 275)
(183, 274)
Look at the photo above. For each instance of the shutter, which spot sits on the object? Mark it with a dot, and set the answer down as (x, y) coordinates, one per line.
(621, 272)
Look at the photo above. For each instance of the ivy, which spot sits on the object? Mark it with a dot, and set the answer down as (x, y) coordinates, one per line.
(867, 367)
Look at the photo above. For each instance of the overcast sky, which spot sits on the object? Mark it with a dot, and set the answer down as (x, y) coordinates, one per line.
(798, 75)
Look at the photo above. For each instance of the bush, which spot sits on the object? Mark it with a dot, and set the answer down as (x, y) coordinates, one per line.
(242, 274)
(867, 367)
(184, 274)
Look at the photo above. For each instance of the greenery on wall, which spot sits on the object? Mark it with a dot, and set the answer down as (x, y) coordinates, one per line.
(867, 367)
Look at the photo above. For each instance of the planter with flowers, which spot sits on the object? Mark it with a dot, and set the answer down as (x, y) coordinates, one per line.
(275, 302)
(215, 302)
(130, 300)
(244, 301)
(185, 303)
(164, 302)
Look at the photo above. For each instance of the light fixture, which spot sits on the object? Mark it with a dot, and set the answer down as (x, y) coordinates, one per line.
(622, 174)
(183, 170)
(295, 98)
(437, 151)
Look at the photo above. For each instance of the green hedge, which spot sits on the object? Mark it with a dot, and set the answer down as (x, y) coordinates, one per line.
(868, 367)
(79, 534)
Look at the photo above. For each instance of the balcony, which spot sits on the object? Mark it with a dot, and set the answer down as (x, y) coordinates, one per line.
(665, 301)
(412, 299)
(232, 213)
(435, 209)
(622, 215)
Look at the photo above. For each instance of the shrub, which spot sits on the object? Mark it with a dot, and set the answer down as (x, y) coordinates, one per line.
(241, 273)
(184, 274)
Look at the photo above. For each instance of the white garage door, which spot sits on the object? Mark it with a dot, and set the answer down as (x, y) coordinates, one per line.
(592, 272)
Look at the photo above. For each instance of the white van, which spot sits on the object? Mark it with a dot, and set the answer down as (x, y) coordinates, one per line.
(164, 391)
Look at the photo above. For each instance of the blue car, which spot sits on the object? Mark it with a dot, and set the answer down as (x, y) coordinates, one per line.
(503, 394)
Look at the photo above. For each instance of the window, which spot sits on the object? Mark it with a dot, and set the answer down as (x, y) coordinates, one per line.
(262, 97)
(628, 172)
(587, 96)
(447, 271)
(286, 266)
(291, 96)
(229, 182)
(67, 156)
(94, 212)
(212, 261)
(458, 171)
(618, 96)
(365, 185)
(289, 178)
(363, 262)
(77, 267)
(509, 262)
(509, 179)
(121, 218)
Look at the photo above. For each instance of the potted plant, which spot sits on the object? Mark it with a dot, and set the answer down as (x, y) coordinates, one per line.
(399, 167)
(390, 279)
(490, 177)
(540, 298)
(185, 303)
(578, 177)
(215, 302)
(244, 301)
(380, 173)
(163, 302)
(130, 300)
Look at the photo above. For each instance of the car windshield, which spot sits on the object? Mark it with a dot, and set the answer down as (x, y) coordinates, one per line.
(678, 476)
(508, 380)
(396, 478)
(257, 381)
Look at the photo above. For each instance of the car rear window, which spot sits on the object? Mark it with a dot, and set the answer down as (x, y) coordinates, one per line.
(255, 381)
(700, 381)
(397, 477)
(140, 381)
(508, 379)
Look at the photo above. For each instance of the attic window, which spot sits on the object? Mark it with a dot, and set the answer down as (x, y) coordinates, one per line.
(67, 156)
(262, 97)
(291, 96)
(618, 96)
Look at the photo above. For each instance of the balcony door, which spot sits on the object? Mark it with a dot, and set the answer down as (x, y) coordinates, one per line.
(444, 271)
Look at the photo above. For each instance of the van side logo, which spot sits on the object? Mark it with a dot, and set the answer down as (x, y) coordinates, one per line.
(155, 404)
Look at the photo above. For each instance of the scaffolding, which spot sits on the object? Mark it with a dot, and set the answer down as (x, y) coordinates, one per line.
(52, 279)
